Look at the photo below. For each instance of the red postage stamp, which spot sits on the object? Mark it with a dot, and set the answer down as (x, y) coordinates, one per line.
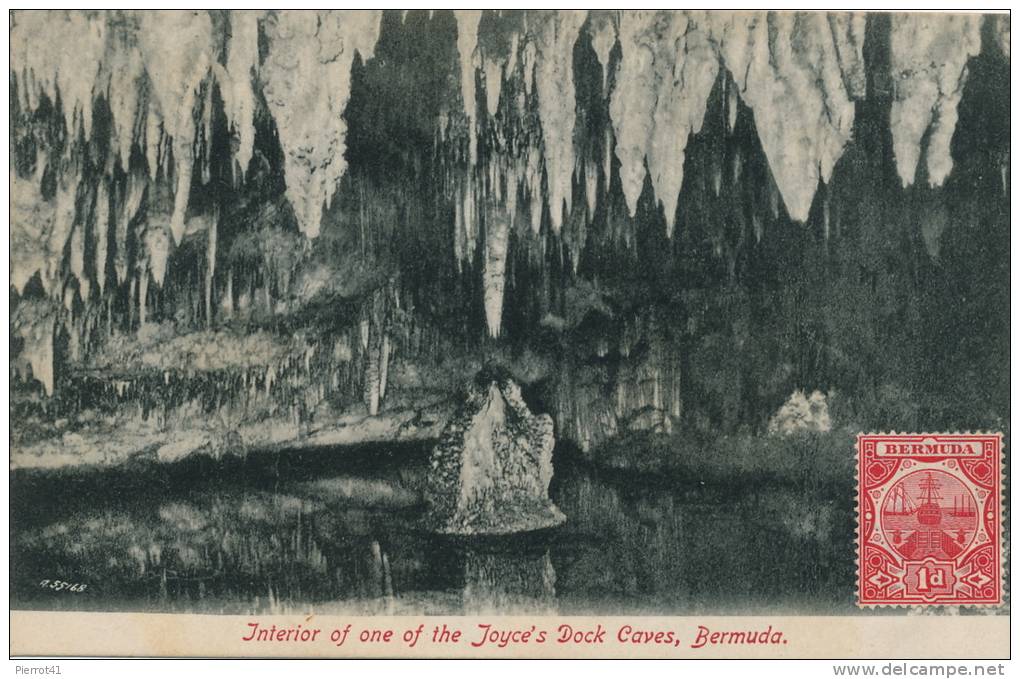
(929, 519)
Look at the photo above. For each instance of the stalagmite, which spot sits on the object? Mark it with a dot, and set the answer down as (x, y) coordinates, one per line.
(177, 47)
(467, 42)
(789, 68)
(554, 34)
(497, 237)
(928, 63)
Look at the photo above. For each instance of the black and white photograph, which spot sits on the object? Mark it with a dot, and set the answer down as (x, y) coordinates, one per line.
(426, 314)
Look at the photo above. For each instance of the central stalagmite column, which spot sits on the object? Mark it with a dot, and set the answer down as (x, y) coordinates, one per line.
(490, 471)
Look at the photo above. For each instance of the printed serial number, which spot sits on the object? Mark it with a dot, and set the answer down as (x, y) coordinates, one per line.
(60, 585)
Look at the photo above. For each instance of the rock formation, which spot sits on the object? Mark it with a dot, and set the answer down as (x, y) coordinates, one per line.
(490, 471)
(802, 413)
(363, 207)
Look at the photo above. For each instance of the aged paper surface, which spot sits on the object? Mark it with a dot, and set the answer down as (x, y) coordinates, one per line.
(120, 634)
(553, 331)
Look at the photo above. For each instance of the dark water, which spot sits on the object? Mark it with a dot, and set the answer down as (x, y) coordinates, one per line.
(337, 531)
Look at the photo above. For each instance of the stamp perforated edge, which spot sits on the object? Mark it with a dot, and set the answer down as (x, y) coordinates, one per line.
(1004, 590)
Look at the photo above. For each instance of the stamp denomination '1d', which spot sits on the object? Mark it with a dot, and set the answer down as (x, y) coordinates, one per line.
(929, 519)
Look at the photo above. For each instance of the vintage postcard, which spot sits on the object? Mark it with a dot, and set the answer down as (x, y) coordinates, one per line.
(509, 333)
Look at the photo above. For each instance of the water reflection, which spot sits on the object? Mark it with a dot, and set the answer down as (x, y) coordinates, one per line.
(510, 582)
(321, 533)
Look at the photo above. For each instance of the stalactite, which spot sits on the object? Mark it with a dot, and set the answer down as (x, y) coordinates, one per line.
(534, 183)
(157, 247)
(63, 223)
(33, 322)
(607, 159)
(1004, 171)
(384, 365)
(59, 51)
(210, 270)
(825, 215)
(364, 330)
(798, 74)
(204, 143)
(732, 104)
(602, 29)
(129, 204)
(101, 229)
(497, 238)
(307, 81)
(667, 70)
(77, 259)
(154, 141)
(238, 93)
(928, 63)
(125, 86)
(467, 41)
(802, 107)
(591, 187)
(1001, 30)
(554, 34)
(227, 299)
(33, 221)
(469, 217)
(459, 246)
(493, 69)
(143, 295)
(177, 47)
(848, 29)
(372, 382)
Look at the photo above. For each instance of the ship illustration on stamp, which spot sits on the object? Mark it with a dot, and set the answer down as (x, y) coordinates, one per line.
(929, 519)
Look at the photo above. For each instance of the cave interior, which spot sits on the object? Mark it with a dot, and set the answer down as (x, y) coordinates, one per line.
(247, 230)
